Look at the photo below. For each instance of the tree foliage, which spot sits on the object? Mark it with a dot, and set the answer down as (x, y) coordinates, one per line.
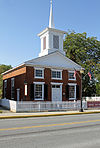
(85, 51)
(3, 68)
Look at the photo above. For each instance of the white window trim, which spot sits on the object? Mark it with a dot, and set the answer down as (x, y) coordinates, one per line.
(53, 83)
(41, 83)
(58, 71)
(74, 77)
(37, 68)
(73, 84)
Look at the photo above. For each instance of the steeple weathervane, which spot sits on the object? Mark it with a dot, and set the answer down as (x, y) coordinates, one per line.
(51, 20)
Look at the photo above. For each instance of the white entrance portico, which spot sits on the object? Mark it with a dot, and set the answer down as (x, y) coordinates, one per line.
(56, 92)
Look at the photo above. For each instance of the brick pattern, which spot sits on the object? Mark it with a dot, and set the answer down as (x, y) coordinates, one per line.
(28, 77)
(19, 84)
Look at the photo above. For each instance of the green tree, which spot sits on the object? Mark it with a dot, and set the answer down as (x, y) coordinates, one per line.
(97, 75)
(85, 51)
(3, 68)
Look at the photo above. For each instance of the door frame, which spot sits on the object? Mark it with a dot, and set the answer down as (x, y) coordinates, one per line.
(53, 83)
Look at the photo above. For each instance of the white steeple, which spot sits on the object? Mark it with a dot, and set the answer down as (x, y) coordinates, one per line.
(51, 38)
(51, 20)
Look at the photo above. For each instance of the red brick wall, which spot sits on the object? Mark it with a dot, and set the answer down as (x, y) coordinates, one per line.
(47, 79)
(29, 80)
(19, 84)
(28, 77)
(8, 88)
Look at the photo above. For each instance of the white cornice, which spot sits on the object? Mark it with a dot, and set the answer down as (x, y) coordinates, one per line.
(51, 67)
(51, 29)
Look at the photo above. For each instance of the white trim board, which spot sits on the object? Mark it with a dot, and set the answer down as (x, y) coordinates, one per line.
(39, 82)
(54, 83)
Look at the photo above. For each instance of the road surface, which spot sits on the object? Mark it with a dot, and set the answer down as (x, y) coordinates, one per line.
(75, 131)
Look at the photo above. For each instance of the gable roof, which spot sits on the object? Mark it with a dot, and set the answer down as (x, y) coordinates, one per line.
(54, 60)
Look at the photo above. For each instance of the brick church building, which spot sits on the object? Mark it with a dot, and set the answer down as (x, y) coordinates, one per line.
(49, 77)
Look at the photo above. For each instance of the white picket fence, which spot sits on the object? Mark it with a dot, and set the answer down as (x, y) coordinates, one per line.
(49, 106)
(91, 98)
(29, 106)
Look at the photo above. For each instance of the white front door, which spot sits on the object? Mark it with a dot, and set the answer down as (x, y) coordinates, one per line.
(18, 94)
(56, 93)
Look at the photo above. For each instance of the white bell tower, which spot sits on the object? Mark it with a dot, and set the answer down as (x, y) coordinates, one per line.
(51, 38)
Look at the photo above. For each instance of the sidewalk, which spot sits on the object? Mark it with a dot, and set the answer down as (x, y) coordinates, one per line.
(6, 114)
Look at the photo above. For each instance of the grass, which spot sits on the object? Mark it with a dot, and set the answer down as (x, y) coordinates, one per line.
(0, 111)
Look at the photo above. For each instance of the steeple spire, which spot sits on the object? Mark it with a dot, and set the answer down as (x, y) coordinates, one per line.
(51, 20)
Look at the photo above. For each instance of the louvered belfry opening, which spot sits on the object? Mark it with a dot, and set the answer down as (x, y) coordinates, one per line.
(56, 41)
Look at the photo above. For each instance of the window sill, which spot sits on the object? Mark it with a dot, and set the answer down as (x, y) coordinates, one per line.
(72, 79)
(70, 99)
(39, 99)
(39, 77)
(12, 98)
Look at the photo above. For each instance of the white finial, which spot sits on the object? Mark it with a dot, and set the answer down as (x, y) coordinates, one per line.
(51, 20)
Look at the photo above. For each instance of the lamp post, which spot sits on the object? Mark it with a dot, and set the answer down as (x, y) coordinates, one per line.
(81, 72)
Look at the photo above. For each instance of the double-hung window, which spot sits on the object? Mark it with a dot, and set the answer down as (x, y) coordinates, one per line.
(71, 75)
(12, 88)
(72, 91)
(39, 73)
(5, 88)
(38, 90)
(56, 74)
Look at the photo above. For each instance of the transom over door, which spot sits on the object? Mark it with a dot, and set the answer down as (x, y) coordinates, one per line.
(56, 93)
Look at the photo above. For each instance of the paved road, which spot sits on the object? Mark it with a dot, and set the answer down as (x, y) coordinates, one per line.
(78, 131)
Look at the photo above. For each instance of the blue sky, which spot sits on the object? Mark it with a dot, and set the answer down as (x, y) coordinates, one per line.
(22, 20)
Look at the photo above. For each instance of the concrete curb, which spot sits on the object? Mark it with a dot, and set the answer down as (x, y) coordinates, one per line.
(47, 115)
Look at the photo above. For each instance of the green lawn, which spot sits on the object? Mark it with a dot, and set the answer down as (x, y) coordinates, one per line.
(0, 111)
